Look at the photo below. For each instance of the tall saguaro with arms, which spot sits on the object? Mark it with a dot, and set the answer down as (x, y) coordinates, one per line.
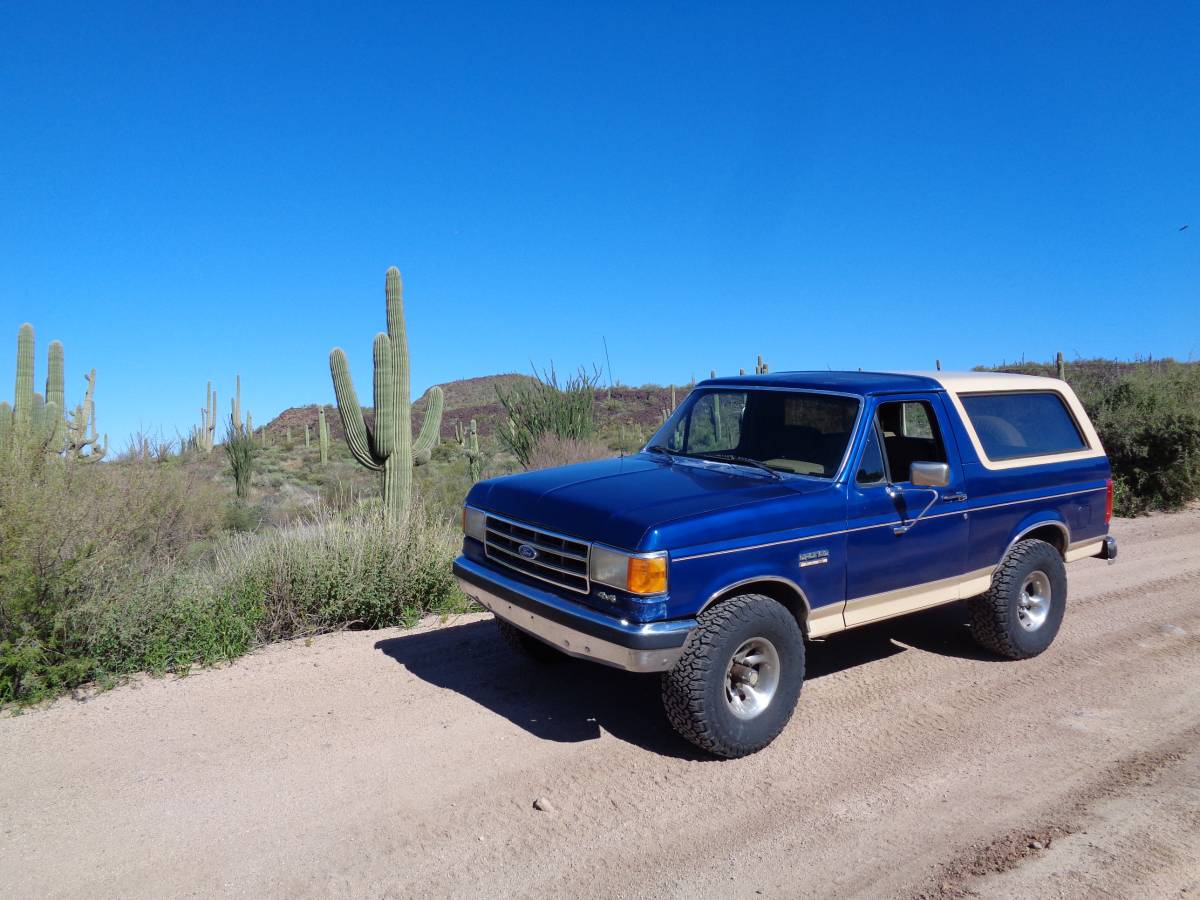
(388, 447)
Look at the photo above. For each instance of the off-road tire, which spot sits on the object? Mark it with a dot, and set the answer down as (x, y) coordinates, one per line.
(693, 691)
(527, 645)
(994, 615)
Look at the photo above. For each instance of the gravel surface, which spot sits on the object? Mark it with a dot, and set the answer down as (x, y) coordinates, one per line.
(432, 763)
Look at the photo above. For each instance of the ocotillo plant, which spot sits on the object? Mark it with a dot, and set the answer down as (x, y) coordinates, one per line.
(388, 447)
(323, 435)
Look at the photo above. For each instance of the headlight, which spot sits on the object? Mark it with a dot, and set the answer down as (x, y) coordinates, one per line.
(474, 523)
(638, 574)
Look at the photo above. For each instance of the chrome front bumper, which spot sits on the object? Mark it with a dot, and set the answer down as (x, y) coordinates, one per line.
(571, 628)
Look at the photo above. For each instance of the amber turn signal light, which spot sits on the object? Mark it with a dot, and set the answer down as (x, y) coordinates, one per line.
(647, 575)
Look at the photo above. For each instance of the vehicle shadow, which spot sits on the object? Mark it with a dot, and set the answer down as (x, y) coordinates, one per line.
(571, 701)
(943, 630)
(568, 701)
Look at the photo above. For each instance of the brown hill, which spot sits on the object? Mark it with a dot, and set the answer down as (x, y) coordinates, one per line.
(475, 398)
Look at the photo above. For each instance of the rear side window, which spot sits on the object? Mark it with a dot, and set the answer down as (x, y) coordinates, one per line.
(1011, 426)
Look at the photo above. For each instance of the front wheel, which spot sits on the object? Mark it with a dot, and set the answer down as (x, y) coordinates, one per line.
(735, 687)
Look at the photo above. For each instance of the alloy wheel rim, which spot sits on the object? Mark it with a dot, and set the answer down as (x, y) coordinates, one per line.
(1033, 604)
(752, 678)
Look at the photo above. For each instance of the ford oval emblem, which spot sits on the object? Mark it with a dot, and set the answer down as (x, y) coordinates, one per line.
(526, 551)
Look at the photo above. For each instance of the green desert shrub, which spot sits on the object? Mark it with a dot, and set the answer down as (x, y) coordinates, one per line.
(1149, 423)
(1147, 413)
(74, 535)
(113, 569)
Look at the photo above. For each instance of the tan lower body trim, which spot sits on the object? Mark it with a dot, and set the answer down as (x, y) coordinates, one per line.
(1083, 550)
(862, 610)
(826, 620)
(876, 607)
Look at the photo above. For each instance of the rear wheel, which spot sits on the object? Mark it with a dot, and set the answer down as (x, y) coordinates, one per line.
(526, 644)
(1021, 613)
(735, 687)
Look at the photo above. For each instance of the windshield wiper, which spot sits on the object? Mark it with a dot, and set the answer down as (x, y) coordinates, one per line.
(741, 461)
(663, 449)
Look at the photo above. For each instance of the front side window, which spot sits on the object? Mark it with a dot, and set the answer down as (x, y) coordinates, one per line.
(789, 431)
(910, 434)
(1015, 425)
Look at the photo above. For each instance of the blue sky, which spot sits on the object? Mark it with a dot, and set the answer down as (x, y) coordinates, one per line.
(191, 192)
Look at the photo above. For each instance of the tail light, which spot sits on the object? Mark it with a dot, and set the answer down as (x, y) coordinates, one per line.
(1108, 500)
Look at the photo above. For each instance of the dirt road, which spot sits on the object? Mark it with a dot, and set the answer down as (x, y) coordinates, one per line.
(407, 763)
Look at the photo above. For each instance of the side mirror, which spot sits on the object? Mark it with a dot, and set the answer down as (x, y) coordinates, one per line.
(930, 474)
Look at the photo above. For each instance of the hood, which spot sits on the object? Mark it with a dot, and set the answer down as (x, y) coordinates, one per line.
(646, 503)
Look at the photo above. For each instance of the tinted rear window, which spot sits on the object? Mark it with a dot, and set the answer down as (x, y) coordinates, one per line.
(1011, 426)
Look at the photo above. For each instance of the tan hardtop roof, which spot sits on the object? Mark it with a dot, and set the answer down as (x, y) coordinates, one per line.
(970, 382)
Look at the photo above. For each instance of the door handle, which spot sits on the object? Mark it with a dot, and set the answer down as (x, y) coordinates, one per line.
(956, 497)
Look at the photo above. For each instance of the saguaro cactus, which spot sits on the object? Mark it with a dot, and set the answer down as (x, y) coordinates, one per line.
(1060, 368)
(307, 436)
(471, 449)
(388, 447)
(56, 393)
(323, 435)
(32, 423)
(23, 398)
(81, 432)
(206, 436)
(235, 407)
(37, 421)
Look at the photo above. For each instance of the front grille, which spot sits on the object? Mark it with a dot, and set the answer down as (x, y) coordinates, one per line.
(560, 560)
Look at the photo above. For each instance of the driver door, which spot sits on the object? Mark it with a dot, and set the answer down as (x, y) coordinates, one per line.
(890, 573)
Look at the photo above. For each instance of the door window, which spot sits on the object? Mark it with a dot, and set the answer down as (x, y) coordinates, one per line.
(910, 434)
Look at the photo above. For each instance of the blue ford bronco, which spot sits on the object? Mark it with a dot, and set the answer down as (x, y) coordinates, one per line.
(771, 509)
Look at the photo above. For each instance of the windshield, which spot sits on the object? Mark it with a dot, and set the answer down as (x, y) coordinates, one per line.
(787, 431)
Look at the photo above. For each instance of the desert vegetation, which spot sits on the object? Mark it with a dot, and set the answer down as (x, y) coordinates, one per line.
(178, 553)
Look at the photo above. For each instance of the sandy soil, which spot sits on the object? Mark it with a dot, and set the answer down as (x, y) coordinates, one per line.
(407, 764)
